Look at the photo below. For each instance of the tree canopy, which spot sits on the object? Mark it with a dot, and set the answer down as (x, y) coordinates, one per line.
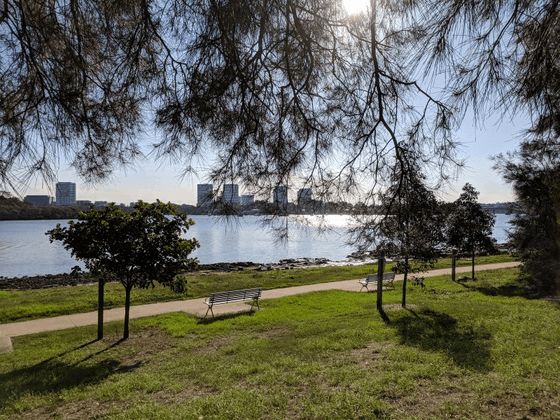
(470, 226)
(408, 226)
(136, 248)
(282, 91)
(534, 173)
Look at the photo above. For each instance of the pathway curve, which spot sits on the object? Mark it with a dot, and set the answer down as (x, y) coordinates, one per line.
(195, 307)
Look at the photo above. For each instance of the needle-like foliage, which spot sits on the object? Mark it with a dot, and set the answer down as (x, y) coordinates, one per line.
(469, 228)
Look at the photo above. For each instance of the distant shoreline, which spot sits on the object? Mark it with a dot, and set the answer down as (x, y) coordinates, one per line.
(85, 278)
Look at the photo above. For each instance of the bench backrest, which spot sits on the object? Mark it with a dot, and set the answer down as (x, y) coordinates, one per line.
(234, 295)
(371, 278)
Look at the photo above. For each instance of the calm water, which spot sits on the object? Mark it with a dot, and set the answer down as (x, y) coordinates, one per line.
(25, 250)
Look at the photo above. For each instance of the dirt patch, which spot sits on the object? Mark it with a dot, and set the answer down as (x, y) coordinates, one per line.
(367, 357)
(213, 346)
(397, 306)
(135, 348)
(79, 410)
(429, 400)
(273, 333)
(189, 392)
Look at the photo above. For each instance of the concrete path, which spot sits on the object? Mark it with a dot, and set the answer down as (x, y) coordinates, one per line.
(195, 307)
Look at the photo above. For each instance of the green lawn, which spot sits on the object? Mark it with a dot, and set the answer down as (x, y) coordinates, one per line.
(477, 350)
(43, 303)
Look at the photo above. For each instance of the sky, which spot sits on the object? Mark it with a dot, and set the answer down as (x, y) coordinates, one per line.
(152, 180)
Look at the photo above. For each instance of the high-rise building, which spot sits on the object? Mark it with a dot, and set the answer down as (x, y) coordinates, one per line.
(231, 194)
(280, 194)
(204, 194)
(38, 200)
(65, 193)
(247, 199)
(304, 195)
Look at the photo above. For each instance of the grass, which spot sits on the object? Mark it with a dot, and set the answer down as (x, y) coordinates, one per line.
(42, 303)
(474, 350)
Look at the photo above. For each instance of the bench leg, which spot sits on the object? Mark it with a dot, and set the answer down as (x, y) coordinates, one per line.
(253, 304)
(209, 309)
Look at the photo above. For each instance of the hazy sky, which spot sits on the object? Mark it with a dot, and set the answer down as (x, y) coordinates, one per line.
(151, 180)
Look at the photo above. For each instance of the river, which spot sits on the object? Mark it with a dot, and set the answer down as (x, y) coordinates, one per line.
(25, 250)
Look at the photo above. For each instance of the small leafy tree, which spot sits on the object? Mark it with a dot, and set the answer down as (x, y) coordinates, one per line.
(136, 248)
(470, 226)
(410, 225)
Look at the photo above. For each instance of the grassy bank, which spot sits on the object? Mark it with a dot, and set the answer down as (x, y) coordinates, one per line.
(477, 350)
(33, 304)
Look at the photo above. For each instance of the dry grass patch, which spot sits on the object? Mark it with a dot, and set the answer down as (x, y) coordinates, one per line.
(397, 306)
(215, 345)
(458, 401)
(80, 410)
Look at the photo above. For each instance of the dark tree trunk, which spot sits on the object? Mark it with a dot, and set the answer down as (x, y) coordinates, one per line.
(473, 262)
(404, 283)
(380, 268)
(453, 266)
(127, 312)
(100, 299)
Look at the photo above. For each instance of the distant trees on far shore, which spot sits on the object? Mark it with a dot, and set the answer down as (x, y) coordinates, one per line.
(12, 208)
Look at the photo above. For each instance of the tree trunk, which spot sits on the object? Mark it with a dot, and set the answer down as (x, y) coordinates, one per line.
(380, 268)
(127, 311)
(453, 266)
(100, 299)
(473, 263)
(404, 283)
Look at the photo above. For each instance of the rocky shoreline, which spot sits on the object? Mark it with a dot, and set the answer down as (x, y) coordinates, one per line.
(66, 279)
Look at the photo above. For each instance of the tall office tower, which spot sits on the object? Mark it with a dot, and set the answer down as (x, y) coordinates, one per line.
(280, 194)
(65, 193)
(304, 195)
(204, 194)
(231, 194)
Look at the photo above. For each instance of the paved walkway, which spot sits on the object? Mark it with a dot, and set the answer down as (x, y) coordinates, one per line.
(195, 307)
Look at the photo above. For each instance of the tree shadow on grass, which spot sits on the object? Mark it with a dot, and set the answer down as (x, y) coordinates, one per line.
(514, 289)
(206, 321)
(436, 331)
(53, 375)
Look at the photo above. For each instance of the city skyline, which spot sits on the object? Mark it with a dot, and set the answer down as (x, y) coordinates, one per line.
(150, 180)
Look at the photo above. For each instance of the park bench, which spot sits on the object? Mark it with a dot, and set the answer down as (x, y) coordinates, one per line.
(372, 278)
(233, 296)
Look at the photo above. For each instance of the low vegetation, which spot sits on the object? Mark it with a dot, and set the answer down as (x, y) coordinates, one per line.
(462, 350)
(12, 208)
(43, 303)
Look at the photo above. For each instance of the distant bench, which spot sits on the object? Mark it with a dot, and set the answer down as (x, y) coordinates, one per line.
(372, 278)
(233, 296)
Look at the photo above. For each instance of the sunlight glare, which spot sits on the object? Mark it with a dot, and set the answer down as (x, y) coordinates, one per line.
(354, 7)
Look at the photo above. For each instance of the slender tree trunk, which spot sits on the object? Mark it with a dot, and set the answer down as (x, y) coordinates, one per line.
(473, 262)
(127, 311)
(380, 268)
(453, 266)
(100, 300)
(404, 283)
